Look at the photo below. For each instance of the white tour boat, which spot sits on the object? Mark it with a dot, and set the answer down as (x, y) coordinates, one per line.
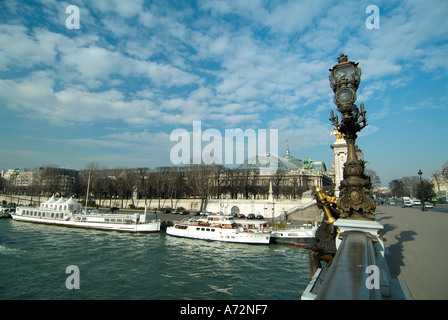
(69, 213)
(217, 228)
(304, 235)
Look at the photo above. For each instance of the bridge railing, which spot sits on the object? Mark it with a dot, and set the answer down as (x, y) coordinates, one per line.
(351, 275)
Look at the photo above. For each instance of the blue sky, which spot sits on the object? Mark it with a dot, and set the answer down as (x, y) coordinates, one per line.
(113, 91)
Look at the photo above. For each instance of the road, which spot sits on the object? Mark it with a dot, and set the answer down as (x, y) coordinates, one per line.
(417, 243)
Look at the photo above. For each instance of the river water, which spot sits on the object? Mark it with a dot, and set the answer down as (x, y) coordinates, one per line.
(112, 265)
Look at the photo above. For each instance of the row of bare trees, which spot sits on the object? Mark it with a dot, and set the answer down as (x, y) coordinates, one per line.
(193, 181)
(407, 186)
(127, 184)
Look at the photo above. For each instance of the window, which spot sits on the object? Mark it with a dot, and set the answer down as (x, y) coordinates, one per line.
(293, 234)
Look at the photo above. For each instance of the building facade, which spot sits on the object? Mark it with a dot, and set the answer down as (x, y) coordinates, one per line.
(292, 176)
(440, 182)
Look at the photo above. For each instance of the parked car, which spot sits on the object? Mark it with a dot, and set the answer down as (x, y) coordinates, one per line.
(113, 209)
(406, 203)
(428, 205)
(240, 215)
(417, 203)
(259, 216)
(251, 216)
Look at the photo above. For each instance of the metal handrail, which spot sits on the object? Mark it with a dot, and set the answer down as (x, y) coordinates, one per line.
(347, 276)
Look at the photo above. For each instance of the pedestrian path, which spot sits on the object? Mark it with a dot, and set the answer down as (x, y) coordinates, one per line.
(417, 241)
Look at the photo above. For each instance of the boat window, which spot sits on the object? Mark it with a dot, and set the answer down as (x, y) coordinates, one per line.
(213, 230)
(207, 229)
(202, 229)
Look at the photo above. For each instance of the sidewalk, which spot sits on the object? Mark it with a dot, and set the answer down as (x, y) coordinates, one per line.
(417, 242)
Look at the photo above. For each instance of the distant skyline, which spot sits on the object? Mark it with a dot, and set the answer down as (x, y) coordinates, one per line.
(112, 91)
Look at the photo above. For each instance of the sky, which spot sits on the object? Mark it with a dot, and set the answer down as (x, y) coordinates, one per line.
(114, 90)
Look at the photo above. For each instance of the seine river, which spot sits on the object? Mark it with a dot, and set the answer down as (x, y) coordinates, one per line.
(34, 260)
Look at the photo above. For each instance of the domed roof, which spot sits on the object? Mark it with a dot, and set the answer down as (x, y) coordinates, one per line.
(268, 161)
(272, 162)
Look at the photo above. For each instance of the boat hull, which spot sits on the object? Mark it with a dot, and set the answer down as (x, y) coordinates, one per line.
(293, 240)
(137, 228)
(294, 236)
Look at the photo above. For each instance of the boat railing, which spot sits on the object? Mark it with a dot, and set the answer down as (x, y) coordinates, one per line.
(302, 227)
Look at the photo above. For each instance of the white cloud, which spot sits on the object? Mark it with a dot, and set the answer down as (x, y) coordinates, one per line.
(229, 63)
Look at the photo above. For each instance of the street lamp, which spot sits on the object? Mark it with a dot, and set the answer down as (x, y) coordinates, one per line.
(421, 190)
(354, 200)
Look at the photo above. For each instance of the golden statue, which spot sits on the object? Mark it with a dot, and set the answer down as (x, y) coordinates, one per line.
(324, 202)
(339, 135)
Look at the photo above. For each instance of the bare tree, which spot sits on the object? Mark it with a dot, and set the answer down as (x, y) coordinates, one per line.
(199, 179)
(374, 178)
(142, 183)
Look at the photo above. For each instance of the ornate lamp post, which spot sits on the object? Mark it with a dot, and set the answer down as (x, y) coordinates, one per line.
(354, 200)
(422, 190)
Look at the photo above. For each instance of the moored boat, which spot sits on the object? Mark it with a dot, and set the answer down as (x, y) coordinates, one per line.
(217, 228)
(69, 213)
(300, 235)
